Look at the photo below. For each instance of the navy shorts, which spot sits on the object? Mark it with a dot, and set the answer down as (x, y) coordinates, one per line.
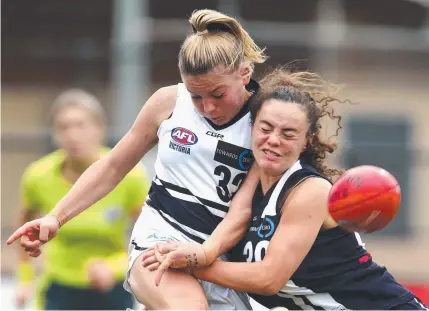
(60, 297)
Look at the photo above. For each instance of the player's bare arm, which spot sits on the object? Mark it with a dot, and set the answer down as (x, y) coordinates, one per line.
(103, 176)
(226, 235)
(231, 229)
(303, 214)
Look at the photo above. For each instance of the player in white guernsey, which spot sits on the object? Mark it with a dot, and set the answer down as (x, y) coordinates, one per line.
(202, 128)
(293, 254)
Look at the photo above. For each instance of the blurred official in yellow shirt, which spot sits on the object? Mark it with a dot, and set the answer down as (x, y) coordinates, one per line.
(85, 265)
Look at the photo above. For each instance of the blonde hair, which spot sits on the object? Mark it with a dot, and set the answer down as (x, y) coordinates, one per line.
(78, 98)
(217, 40)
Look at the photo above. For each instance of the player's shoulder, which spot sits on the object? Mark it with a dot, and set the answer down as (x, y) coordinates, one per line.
(166, 95)
(158, 107)
(45, 165)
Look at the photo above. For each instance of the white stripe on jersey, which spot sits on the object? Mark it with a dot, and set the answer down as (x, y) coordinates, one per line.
(324, 300)
(191, 198)
(270, 209)
(420, 304)
(359, 240)
(296, 300)
(185, 228)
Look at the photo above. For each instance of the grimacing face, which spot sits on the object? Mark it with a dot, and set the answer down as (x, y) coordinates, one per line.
(279, 136)
(218, 96)
(77, 132)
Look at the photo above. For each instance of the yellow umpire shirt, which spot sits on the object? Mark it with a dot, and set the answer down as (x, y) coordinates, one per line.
(98, 233)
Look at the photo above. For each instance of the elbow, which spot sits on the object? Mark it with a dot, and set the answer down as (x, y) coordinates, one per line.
(270, 288)
(270, 283)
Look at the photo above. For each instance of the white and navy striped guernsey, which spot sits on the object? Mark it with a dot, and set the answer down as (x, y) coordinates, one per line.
(337, 273)
(199, 166)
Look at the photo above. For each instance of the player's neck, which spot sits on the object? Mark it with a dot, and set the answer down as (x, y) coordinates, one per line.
(267, 181)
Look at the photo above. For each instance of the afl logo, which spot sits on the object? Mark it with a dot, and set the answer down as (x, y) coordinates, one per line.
(184, 136)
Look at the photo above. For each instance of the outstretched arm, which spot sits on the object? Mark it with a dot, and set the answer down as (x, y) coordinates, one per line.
(104, 175)
(302, 217)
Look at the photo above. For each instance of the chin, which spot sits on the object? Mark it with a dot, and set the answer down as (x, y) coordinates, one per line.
(272, 169)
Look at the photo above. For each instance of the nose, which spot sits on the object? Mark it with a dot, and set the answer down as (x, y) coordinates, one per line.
(273, 140)
(208, 106)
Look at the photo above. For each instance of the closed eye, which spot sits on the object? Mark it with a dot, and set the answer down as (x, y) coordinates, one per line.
(289, 135)
(218, 96)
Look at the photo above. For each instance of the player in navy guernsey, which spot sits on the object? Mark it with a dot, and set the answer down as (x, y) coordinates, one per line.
(293, 254)
(202, 127)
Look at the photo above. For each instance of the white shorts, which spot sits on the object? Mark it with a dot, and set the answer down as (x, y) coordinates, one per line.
(150, 229)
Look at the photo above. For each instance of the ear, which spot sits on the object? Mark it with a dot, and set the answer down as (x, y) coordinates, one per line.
(245, 73)
(309, 142)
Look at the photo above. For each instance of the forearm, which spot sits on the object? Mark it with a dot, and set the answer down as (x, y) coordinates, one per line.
(227, 234)
(246, 277)
(96, 182)
(232, 228)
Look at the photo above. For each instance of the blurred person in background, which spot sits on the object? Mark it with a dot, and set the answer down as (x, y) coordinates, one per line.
(202, 128)
(85, 266)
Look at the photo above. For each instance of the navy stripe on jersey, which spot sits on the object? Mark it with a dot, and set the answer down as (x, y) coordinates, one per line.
(196, 219)
(208, 203)
(137, 247)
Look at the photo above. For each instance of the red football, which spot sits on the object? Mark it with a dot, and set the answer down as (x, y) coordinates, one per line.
(364, 199)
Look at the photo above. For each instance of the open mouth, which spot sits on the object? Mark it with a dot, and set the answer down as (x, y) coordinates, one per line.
(270, 153)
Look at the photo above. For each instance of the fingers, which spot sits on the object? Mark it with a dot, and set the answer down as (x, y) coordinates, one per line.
(149, 253)
(35, 253)
(154, 266)
(162, 268)
(27, 243)
(150, 259)
(31, 247)
(165, 248)
(159, 256)
(21, 231)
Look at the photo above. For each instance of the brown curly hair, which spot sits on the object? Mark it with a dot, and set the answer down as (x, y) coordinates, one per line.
(315, 95)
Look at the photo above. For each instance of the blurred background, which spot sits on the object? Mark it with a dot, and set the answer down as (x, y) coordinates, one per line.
(123, 50)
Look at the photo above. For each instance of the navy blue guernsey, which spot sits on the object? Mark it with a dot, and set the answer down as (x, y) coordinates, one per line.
(337, 273)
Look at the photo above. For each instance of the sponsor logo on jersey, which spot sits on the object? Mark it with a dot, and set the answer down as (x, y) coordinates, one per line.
(266, 229)
(234, 156)
(159, 237)
(182, 139)
(215, 135)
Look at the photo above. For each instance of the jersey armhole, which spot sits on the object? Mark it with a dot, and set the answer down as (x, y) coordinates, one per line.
(285, 195)
(174, 109)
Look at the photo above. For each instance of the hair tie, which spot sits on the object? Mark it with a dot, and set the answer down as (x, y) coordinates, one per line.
(200, 33)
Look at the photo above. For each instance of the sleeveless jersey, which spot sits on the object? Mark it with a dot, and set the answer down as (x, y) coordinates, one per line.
(337, 273)
(199, 166)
